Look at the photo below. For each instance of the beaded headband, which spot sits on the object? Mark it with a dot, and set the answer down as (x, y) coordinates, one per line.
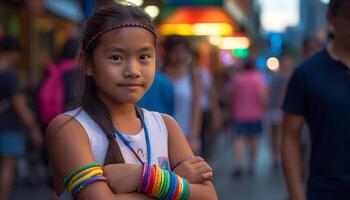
(148, 28)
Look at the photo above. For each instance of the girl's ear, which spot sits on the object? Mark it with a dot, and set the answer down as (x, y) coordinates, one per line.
(85, 64)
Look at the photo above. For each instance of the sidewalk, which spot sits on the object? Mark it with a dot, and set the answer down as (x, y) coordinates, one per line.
(266, 184)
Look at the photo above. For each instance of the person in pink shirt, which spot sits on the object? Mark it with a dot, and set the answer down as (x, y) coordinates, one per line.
(247, 107)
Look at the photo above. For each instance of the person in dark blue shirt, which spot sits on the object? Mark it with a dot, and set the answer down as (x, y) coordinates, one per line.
(319, 93)
(160, 97)
(15, 116)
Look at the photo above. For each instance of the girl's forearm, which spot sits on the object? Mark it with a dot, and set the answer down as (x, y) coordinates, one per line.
(123, 178)
(133, 196)
(205, 191)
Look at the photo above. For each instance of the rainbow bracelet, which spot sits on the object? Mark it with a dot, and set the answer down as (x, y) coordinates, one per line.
(81, 186)
(81, 174)
(84, 178)
(77, 171)
(163, 184)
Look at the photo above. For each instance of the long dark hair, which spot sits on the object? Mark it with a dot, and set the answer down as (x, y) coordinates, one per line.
(104, 17)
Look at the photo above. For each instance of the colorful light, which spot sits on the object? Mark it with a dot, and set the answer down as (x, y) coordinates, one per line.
(152, 10)
(240, 53)
(203, 20)
(196, 29)
(212, 29)
(273, 64)
(136, 2)
(179, 29)
(215, 40)
(235, 43)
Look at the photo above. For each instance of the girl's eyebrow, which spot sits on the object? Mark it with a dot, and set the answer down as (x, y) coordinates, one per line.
(147, 48)
(114, 49)
(123, 50)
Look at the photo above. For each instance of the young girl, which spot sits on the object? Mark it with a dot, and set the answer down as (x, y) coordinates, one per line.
(138, 148)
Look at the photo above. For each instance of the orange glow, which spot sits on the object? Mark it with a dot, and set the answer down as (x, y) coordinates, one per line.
(198, 21)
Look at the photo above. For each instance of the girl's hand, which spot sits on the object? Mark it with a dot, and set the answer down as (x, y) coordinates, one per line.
(123, 178)
(194, 170)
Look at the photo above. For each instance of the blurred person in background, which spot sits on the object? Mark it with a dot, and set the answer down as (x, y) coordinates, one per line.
(58, 88)
(187, 87)
(247, 106)
(318, 93)
(276, 91)
(160, 97)
(15, 116)
(211, 114)
(57, 92)
(310, 46)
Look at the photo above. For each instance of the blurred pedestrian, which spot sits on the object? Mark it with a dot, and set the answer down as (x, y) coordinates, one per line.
(318, 93)
(247, 106)
(160, 97)
(310, 46)
(15, 116)
(276, 91)
(187, 87)
(141, 150)
(210, 108)
(58, 90)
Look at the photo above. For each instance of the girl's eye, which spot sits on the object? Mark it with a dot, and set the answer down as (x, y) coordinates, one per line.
(144, 57)
(117, 58)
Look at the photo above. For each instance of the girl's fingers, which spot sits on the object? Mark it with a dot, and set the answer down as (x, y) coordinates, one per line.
(207, 175)
(195, 159)
(205, 169)
(200, 165)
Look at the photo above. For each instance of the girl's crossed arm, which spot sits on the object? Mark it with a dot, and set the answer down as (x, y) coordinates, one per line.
(195, 170)
(69, 150)
(179, 150)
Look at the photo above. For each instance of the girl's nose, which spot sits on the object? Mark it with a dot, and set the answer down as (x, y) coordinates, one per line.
(132, 69)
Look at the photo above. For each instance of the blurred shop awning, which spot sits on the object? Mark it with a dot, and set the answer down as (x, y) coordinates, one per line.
(69, 9)
(198, 21)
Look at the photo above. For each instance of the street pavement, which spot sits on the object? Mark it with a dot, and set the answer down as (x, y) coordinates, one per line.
(265, 184)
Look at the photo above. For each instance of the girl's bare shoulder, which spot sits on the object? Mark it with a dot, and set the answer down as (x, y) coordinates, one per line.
(64, 127)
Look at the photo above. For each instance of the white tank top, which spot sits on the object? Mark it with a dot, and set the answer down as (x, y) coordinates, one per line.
(183, 102)
(158, 136)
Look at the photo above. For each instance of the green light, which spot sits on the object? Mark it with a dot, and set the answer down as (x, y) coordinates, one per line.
(240, 53)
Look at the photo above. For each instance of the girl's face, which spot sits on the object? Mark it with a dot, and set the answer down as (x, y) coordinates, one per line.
(124, 64)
